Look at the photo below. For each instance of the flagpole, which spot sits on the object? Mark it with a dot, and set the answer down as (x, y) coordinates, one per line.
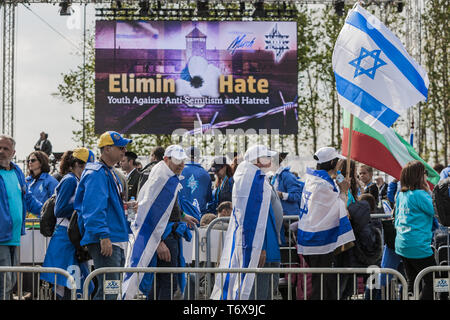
(349, 147)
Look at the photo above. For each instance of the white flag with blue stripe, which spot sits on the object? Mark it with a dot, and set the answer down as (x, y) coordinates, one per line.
(245, 234)
(323, 223)
(156, 200)
(376, 79)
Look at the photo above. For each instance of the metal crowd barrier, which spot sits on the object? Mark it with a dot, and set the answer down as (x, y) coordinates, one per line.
(440, 284)
(372, 272)
(37, 270)
(33, 233)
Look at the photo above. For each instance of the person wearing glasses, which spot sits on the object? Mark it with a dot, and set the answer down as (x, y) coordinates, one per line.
(61, 253)
(99, 204)
(39, 181)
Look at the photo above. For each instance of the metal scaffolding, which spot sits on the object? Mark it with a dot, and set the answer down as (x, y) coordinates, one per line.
(9, 12)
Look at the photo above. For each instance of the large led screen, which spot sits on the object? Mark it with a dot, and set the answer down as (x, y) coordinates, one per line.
(160, 76)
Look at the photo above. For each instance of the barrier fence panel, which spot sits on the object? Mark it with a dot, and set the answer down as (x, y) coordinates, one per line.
(338, 272)
(20, 270)
(441, 281)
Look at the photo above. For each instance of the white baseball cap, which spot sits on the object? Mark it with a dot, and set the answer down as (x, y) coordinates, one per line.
(258, 151)
(326, 154)
(175, 151)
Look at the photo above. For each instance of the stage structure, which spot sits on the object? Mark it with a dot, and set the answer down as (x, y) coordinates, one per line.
(197, 10)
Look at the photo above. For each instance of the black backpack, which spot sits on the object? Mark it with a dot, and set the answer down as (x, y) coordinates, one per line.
(48, 220)
(73, 231)
(441, 201)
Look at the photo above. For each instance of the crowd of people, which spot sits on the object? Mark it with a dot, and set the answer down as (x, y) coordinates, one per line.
(173, 192)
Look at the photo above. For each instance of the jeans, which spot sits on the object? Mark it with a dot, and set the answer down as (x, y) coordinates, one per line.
(263, 283)
(9, 257)
(117, 259)
(163, 281)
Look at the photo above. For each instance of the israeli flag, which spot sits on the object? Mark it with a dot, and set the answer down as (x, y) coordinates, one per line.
(323, 223)
(376, 79)
(245, 234)
(386, 207)
(156, 200)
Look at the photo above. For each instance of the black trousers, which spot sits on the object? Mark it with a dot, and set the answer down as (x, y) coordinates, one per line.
(329, 281)
(412, 269)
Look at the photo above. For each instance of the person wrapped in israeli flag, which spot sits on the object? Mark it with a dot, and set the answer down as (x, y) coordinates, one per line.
(376, 79)
(156, 201)
(247, 227)
(323, 223)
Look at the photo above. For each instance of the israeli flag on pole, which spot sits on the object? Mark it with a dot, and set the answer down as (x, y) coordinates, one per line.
(376, 79)
(245, 234)
(156, 200)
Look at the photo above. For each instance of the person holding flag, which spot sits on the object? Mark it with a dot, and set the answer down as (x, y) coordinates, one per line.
(159, 227)
(252, 237)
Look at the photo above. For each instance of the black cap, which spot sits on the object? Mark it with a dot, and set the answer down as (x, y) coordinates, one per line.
(131, 155)
(218, 163)
(282, 156)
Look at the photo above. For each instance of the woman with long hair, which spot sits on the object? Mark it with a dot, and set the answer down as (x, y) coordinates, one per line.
(354, 186)
(223, 185)
(414, 215)
(39, 181)
(61, 253)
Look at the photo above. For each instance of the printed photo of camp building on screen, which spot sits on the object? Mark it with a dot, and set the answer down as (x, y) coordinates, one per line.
(159, 76)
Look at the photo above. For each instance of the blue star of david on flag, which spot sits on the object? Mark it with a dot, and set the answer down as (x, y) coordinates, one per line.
(370, 72)
(192, 183)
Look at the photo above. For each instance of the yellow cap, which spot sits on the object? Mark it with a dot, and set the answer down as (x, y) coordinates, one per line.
(84, 154)
(112, 138)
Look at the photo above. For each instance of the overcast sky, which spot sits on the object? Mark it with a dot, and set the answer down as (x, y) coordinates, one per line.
(42, 55)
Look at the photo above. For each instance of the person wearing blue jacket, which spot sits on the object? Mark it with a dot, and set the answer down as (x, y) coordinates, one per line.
(414, 215)
(223, 188)
(197, 184)
(101, 216)
(289, 189)
(39, 181)
(61, 253)
(15, 201)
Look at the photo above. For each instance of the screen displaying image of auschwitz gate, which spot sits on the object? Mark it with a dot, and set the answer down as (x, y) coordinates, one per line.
(159, 76)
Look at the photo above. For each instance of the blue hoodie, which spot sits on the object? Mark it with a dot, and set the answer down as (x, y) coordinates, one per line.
(100, 206)
(286, 182)
(197, 186)
(29, 203)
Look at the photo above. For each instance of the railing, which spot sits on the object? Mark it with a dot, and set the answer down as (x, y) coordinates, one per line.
(442, 285)
(337, 271)
(37, 270)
